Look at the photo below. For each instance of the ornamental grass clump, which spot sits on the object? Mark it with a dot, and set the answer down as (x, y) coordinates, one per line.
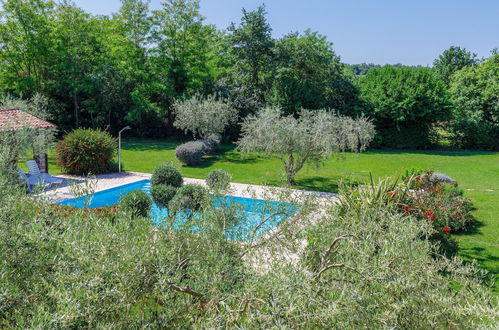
(85, 151)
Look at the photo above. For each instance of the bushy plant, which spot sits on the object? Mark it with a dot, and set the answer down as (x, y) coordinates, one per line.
(372, 269)
(191, 153)
(190, 197)
(203, 115)
(212, 141)
(85, 151)
(474, 91)
(218, 180)
(162, 194)
(137, 203)
(167, 174)
(376, 256)
(445, 209)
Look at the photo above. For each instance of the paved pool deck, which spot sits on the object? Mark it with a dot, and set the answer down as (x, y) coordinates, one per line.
(107, 181)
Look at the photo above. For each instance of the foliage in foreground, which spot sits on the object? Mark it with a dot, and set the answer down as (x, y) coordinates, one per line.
(372, 269)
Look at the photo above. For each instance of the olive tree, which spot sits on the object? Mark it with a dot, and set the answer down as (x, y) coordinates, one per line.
(17, 143)
(313, 136)
(203, 116)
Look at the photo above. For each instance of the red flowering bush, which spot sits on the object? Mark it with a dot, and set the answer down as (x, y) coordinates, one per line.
(441, 204)
(85, 151)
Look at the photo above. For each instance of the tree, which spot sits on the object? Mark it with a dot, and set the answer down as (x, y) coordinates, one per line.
(184, 44)
(251, 52)
(203, 116)
(475, 95)
(405, 103)
(308, 74)
(77, 56)
(313, 136)
(15, 144)
(25, 44)
(453, 60)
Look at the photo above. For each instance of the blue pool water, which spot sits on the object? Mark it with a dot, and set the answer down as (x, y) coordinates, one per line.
(252, 212)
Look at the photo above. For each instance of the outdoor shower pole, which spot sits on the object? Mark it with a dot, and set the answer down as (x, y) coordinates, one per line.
(119, 147)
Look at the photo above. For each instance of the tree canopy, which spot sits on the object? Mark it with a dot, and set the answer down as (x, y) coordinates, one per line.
(475, 95)
(402, 99)
(313, 137)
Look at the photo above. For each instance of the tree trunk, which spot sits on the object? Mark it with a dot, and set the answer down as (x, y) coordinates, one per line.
(76, 110)
(290, 170)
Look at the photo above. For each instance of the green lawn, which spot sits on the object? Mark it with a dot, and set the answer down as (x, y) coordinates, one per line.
(476, 172)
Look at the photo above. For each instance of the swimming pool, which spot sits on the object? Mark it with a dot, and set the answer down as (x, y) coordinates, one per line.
(252, 212)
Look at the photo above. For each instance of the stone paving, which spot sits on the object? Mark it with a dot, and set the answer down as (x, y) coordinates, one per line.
(107, 181)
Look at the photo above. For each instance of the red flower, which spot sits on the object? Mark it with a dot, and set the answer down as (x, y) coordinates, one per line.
(438, 205)
(470, 199)
(432, 217)
(393, 193)
(459, 217)
(406, 209)
(446, 230)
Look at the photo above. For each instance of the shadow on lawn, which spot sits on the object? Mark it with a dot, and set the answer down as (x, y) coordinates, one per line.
(145, 145)
(226, 154)
(460, 153)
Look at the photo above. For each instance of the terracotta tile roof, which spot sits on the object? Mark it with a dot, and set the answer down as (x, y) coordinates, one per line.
(14, 119)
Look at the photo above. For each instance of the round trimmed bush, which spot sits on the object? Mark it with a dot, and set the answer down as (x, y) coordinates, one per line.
(136, 202)
(211, 142)
(191, 197)
(85, 151)
(167, 174)
(218, 180)
(191, 153)
(162, 194)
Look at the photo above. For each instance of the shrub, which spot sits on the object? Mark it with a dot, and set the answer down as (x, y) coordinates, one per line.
(212, 142)
(191, 197)
(85, 151)
(218, 180)
(137, 202)
(191, 153)
(390, 195)
(163, 193)
(444, 208)
(167, 174)
(377, 256)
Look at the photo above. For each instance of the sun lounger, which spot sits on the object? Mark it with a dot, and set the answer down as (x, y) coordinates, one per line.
(34, 171)
(33, 182)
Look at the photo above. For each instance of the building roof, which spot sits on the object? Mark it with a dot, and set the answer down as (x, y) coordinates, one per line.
(15, 119)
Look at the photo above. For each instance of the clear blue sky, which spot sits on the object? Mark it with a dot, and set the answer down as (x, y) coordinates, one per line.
(378, 31)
